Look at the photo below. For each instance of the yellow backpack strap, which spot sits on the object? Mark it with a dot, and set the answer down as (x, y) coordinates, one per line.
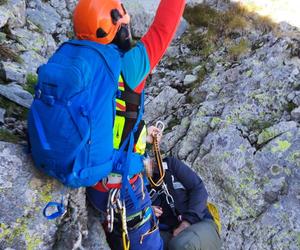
(215, 214)
(125, 98)
(121, 104)
(119, 120)
(140, 146)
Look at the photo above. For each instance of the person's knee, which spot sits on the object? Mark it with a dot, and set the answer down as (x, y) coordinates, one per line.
(207, 235)
(184, 241)
(175, 244)
(202, 236)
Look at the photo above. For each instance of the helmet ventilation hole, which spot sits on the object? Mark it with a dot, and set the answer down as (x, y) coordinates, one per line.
(101, 33)
(115, 16)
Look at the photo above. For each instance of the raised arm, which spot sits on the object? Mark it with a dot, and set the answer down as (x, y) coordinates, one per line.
(139, 61)
(162, 30)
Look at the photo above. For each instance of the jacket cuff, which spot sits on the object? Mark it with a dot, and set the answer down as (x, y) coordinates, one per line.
(192, 219)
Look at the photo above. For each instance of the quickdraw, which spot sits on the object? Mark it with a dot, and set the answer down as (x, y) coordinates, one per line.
(160, 125)
(111, 207)
(114, 204)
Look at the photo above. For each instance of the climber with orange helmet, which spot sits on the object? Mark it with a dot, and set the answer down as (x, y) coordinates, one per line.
(130, 221)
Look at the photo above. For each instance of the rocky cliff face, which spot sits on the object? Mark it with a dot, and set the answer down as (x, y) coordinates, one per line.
(229, 93)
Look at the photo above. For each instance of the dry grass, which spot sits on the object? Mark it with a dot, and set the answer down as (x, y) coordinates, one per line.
(239, 49)
(7, 54)
(222, 26)
(237, 17)
(2, 2)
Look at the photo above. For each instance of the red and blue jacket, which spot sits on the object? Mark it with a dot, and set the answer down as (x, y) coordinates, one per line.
(138, 62)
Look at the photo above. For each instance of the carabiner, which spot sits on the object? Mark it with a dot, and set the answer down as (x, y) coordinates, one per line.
(169, 197)
(160, 125)
(152, 192)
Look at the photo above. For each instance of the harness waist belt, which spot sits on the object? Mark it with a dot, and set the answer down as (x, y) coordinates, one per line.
(113, 181)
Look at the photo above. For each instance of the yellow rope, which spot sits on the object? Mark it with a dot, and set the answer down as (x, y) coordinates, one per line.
(126, 241)
(158, 159)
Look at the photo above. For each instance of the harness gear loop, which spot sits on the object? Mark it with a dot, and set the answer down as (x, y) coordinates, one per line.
(156, 150)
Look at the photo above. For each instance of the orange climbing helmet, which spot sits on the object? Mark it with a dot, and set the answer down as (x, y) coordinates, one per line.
(99, 20)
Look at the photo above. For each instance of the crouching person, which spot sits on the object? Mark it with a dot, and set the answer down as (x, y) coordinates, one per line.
(186, 220)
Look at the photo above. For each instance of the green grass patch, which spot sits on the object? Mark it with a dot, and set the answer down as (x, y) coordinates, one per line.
(237, 22)
(290, 106)
(31, 81)
(201, 15)
(220, 26)
(218, 23)
(201, 74)
(200, 44)
(2, 37)
(2, 2)
(260, 125)
(239, 49)
(172, 123)
(13, 109)
(263, 23)
(8, 136)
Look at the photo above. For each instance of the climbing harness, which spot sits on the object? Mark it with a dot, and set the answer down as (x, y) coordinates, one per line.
(156, 150)
(115, 206)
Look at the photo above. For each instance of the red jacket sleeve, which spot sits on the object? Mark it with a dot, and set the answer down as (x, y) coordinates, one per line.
(163, 28)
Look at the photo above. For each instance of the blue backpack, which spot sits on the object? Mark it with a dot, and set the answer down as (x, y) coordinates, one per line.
(70, 123)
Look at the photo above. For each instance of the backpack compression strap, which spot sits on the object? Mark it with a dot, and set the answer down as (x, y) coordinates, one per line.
(130, 142)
